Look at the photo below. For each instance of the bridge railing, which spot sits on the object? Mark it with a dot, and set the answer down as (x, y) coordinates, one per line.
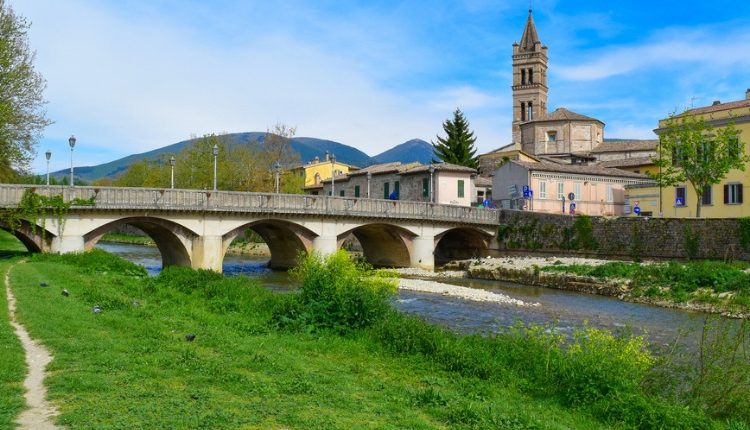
(230, 201)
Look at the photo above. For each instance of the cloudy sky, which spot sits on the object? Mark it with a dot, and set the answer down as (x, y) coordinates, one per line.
(128, 76)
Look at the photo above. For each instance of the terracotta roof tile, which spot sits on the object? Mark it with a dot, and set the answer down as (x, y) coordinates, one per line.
(562, 114)
(579, 169)
(718, 107)
(628, 162)
(626, 145)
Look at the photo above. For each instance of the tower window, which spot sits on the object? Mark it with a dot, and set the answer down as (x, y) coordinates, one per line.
(523, 111)
(523, 76)
(530, 111)
(531, 76)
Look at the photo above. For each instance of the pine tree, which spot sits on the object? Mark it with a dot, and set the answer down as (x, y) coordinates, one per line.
(458, 146)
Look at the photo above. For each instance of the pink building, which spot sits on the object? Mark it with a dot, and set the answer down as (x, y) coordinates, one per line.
(547, 187)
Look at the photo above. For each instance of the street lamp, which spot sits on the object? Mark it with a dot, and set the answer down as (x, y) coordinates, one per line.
(171, 164)
(216, 154)
(369, 178)
(72, 143)
(277, 169)
(48, 154)
(333, 174)
(432, 172)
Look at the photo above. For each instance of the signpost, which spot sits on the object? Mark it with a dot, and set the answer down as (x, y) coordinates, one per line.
(571, 196)
(678, 202)
(636, 208)
(572, 207)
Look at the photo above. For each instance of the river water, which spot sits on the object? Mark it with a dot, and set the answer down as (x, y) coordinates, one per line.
(564, 309)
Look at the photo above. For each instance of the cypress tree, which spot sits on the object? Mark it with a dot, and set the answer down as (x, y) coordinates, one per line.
(458, 146)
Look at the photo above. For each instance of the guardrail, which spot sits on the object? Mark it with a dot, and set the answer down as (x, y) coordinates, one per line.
(230, 201)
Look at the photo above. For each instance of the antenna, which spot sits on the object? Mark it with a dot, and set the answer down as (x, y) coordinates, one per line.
(692, 99)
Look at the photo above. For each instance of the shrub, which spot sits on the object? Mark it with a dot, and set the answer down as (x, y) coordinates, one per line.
(338, 294)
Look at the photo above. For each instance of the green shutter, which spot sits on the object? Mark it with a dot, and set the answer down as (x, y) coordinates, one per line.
(342, 193)
(460, 188)
(356, 191)
(425, 187)
(386, 190)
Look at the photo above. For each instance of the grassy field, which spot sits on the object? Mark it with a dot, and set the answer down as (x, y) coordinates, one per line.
(334, 356)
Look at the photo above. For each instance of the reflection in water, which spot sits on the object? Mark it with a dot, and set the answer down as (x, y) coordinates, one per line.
(565, 309)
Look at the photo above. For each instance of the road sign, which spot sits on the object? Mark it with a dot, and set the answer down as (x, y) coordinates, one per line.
(527, 193)
(637, 210)
(526, 188)
(678, 202)
(572, 206)
(571, 196)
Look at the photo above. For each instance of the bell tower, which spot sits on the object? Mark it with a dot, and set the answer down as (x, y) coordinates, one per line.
(529, 78)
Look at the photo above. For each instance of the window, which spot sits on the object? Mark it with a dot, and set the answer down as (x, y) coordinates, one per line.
(530, 109)
(523, 111)
(610, 193)
(460, 188)
(531, 76)
(386, 190)
(577, 190)
(356, 191)
(560, 191)
(736, 147)
(342, 193)
(397, 189)
(680, 196)
(707, 197)
(425, 187)
(551, 136)
(733, 194)
(542, 190)
(523, 76)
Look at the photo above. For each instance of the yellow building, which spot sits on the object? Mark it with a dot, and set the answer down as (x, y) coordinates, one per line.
(724, 200)
(318, 170)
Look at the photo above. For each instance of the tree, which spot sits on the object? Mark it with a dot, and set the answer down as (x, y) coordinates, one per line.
(22, 117)
(277, 147)
(458, 146)
(691, 150)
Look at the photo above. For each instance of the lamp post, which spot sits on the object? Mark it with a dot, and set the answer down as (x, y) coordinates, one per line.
(72, 143)
(432, 172)
(333, 174)
(171, 164)
(48, 154)
(277, 169)
(216, 154)
(369, 178)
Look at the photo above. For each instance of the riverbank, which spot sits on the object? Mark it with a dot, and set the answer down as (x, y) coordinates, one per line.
(719, 294)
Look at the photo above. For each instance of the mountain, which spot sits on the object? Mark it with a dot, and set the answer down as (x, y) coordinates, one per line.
(412, 150)
(307, 147)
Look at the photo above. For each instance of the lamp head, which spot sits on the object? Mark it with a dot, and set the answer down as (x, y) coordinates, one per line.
(216, 150)
(72, 141)
(48, 154)
(171, 161)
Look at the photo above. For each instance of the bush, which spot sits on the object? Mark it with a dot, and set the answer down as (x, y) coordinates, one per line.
(338, 294)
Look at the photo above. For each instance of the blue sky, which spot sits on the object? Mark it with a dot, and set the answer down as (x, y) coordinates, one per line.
(131, 76)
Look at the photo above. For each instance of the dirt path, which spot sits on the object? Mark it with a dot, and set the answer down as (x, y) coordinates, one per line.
(40, 412)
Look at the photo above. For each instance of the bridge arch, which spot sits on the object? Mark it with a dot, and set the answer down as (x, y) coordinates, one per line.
(285, 240)
(384, 245)
(460, 244)
(32, 236)
(172, 239)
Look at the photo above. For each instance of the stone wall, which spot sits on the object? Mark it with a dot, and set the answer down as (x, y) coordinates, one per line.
(623, 237)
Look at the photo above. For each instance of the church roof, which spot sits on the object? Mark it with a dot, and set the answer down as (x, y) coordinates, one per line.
(628, 162)
(626, 145)
(530, 36)
(562, 114)
(546, 166)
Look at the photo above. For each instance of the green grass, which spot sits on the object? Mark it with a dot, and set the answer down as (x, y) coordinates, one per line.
(131, 367)
(127, 238)
(12, 364)
(699, 281)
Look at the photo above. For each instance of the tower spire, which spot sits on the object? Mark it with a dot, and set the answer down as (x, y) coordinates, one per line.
(530, 36)
(529, 78)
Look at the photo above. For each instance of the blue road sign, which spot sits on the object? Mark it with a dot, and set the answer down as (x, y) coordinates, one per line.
(572, 206)
(637, 210)
(527, 193)
(678, 202)
(526, 189)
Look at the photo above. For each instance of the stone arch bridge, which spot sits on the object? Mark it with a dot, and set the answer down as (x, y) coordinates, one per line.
(195, 227)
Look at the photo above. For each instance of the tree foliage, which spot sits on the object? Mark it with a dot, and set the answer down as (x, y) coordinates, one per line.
(692, 150)
(458, 145)
(248, 166)
(22, 117)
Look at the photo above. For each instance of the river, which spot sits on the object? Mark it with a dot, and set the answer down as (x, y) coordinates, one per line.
(566, 310)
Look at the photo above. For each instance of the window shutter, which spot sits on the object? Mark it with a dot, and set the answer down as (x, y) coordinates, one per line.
(739, 193)
(726, 193)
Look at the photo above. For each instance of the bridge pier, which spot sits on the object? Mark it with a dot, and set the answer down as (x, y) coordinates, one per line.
(326, 245)
(422, 252)
(66, 244)
(208, 253)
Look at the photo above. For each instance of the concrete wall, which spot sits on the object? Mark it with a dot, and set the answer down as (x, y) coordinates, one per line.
(623, 237)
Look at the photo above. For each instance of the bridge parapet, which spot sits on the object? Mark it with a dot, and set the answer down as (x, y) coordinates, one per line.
(229, 201)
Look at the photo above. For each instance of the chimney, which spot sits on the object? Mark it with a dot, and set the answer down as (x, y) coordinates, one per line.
(747, 94)
(716, 102)
(328, 156)
(317, 159)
